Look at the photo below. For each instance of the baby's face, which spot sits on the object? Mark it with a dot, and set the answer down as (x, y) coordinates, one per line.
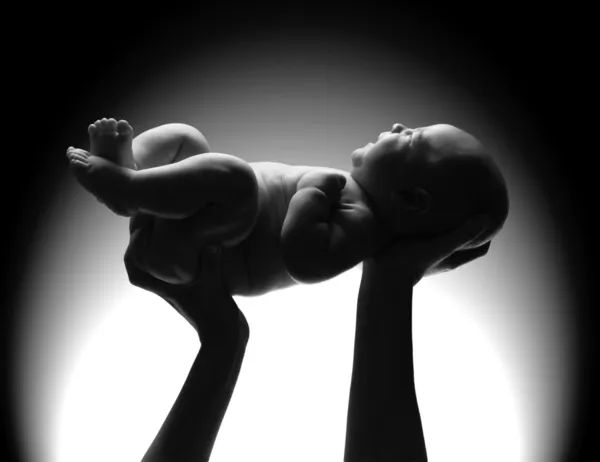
(405, 146)
(405, 158)
(451, 170)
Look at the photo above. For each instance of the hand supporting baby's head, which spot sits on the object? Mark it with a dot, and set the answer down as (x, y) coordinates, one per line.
(427, 181)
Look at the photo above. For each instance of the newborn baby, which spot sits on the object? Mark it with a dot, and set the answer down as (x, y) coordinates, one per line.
(281, 224)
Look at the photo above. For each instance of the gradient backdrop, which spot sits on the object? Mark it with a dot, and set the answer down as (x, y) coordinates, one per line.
(94, 364)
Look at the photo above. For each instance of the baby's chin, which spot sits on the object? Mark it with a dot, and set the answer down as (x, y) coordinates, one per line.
(357, 155)
(356, 158)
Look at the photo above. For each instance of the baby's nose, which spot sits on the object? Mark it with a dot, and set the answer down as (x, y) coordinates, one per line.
(398, 128)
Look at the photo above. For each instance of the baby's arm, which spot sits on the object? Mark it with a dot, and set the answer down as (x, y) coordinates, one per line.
(315, 247)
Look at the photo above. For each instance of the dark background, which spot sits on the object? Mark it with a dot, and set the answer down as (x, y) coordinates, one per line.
(59, 60)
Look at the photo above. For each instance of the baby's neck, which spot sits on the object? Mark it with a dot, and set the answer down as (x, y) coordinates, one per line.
(384, 233)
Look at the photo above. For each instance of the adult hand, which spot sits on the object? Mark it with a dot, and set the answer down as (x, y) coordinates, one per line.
(415, 258)
(206, 303)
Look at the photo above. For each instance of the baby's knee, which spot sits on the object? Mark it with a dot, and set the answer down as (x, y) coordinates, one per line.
(192, 140)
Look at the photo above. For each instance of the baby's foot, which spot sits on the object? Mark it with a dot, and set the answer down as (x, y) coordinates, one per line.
(112, 141)
(110, 183)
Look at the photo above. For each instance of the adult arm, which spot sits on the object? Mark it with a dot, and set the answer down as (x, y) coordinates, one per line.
(191, 427)
(384, 422)
(189, 432)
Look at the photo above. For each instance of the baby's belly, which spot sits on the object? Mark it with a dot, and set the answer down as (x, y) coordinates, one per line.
(264, 265)
(263, 259)
(255, 266)
(169, 251)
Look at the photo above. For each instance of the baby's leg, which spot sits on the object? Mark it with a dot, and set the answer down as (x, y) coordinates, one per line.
(161, 145)
(167, 144)
(169, 249)
(193, 198)
(161, 186)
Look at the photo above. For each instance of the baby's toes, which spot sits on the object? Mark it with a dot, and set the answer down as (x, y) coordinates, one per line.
(104, 125)
(111, 125)
(77, 153)
(123, 128)
(78, 164)
(76, 158)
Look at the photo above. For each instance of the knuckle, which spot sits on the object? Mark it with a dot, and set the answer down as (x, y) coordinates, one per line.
(132, 269)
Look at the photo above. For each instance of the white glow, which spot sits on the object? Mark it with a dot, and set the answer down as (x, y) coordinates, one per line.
(102, 362)
(465, 391)
(121, 385)
(293, 386)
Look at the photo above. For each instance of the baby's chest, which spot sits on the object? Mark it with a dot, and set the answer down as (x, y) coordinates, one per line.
(263, 246)
(276, 185)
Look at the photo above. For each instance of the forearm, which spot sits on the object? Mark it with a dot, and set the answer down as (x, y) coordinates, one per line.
(190, 430)
(191, 427)
(384, 423)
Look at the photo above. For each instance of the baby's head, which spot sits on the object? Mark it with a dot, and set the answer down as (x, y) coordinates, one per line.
(425, 181)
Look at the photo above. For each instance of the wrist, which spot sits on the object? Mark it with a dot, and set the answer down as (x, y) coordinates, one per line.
(379, 273)
(223, 330)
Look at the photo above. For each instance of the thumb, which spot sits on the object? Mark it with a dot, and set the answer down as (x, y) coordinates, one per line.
(465, 233)
(473, 229)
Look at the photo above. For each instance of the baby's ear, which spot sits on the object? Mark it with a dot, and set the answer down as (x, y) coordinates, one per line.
(415, 200)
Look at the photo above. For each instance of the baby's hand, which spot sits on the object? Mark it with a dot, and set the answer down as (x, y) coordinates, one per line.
(334, 186)
(331, 183)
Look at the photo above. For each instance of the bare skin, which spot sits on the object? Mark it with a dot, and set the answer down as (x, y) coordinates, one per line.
(384, 422)
(182, 196)
(316, 222)
(428, 180)
(282, 225)
(112, 141)
(191, 427)
(383, 414)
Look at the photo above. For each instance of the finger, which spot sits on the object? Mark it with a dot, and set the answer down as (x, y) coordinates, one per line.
(79, 151)
(140, 220)
(137, 276)
(464, 234)
(462, 257)
(145, 281)
(76, 156)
